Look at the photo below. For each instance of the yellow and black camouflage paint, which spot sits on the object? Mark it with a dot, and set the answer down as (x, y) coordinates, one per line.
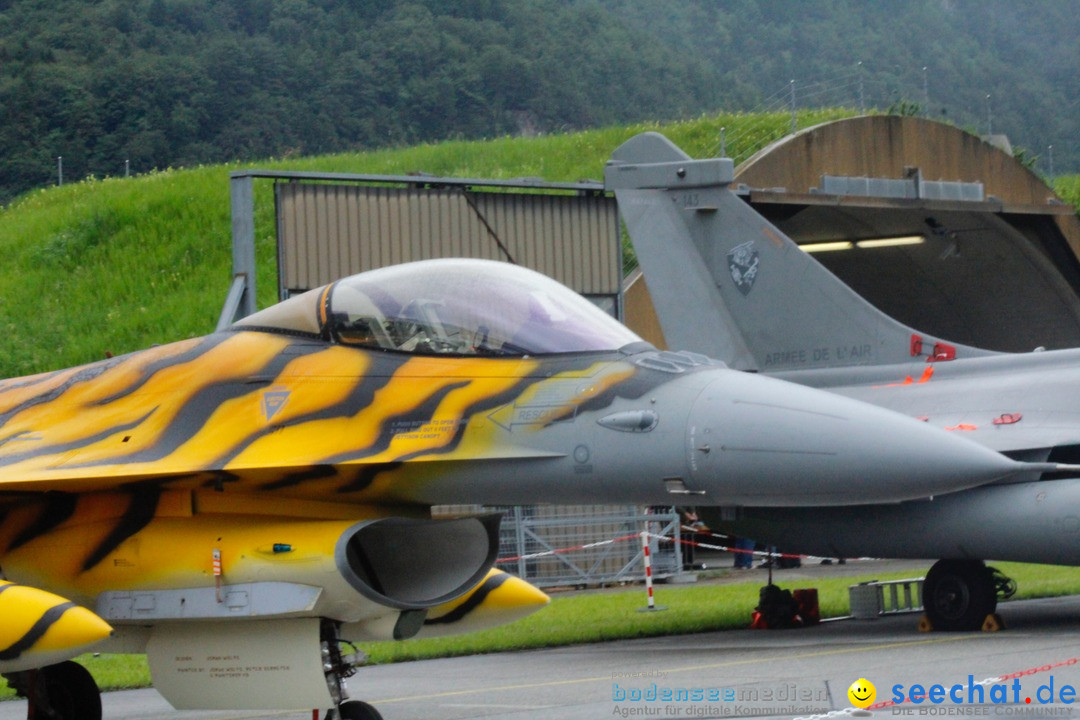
(269, 413)
(171, 447)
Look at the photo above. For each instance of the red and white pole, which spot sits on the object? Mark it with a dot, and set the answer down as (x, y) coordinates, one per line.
(648, 568)
(648, 573)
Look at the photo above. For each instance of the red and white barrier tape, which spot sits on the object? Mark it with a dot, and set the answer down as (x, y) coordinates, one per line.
(708, 546)
(759, 553)
(561, 551)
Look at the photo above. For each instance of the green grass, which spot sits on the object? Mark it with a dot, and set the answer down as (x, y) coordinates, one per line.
(112, 672)
(609, 615)
(601, 615)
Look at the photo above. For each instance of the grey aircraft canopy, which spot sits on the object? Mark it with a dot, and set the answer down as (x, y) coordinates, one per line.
(449, 306)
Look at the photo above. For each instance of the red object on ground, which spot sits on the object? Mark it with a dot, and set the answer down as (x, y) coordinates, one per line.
(808, 605)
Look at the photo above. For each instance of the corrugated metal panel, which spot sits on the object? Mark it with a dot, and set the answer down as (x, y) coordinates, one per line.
(328, 231)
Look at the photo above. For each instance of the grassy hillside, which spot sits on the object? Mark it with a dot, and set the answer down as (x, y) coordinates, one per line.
(114, 265)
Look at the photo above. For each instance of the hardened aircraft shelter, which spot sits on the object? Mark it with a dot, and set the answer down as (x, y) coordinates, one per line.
(940, 229)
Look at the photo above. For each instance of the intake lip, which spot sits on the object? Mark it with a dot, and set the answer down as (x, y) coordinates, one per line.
(413, 564)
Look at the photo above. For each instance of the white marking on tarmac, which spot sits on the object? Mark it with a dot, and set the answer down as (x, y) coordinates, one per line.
(688, 668)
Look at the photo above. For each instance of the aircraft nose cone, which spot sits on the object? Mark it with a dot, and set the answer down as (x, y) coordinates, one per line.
(769, 442)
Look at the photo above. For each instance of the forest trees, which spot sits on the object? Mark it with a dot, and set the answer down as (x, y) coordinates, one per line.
(180, 82)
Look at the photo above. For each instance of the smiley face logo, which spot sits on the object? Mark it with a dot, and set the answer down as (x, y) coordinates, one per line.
(862, 693)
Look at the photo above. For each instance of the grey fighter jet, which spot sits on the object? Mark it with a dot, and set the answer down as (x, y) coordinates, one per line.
(726, 282)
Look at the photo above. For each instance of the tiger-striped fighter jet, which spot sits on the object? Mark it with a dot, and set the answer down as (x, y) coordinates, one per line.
(238, 505)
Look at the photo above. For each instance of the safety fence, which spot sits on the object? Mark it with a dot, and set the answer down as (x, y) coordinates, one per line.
(588, 549)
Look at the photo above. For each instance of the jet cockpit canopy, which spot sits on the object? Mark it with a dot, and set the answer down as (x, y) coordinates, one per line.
(451, 306)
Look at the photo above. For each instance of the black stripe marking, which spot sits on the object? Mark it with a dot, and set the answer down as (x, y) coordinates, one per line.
(14, 436)
(27, 641)
(86, 374)
(632, 388)
(11, 384)
(20, 383)
(75, 445)
(205, 345)
(140, 512)
(474, 601)
(416, 416)
(360, 397)
(485, 405)
(58, 507)
(367, 476)
(196, 411)
(553, 367)
(482, 405)
(319, 472)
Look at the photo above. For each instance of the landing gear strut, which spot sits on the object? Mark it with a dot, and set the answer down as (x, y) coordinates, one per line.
(959, 594)
(58, 692)
(338, 668)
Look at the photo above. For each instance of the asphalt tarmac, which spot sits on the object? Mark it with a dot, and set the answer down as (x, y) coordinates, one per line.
(744, 673)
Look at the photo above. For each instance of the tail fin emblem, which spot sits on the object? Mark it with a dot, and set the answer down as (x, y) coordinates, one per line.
(743, 263)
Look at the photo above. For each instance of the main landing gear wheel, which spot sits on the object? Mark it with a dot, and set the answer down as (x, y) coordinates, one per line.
(63, 692)
(959, 594)
(354, 710)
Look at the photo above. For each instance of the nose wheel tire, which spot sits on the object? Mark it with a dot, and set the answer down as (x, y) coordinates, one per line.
(65, 691)
(959, 594)
(354, 710)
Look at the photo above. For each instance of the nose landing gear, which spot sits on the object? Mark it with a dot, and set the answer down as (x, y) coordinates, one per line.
(339, 667)
(354, 710)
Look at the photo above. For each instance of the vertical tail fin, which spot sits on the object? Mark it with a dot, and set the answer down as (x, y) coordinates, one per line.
(728, 283)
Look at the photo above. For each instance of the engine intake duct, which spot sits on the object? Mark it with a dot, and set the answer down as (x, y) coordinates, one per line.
(412, 564)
